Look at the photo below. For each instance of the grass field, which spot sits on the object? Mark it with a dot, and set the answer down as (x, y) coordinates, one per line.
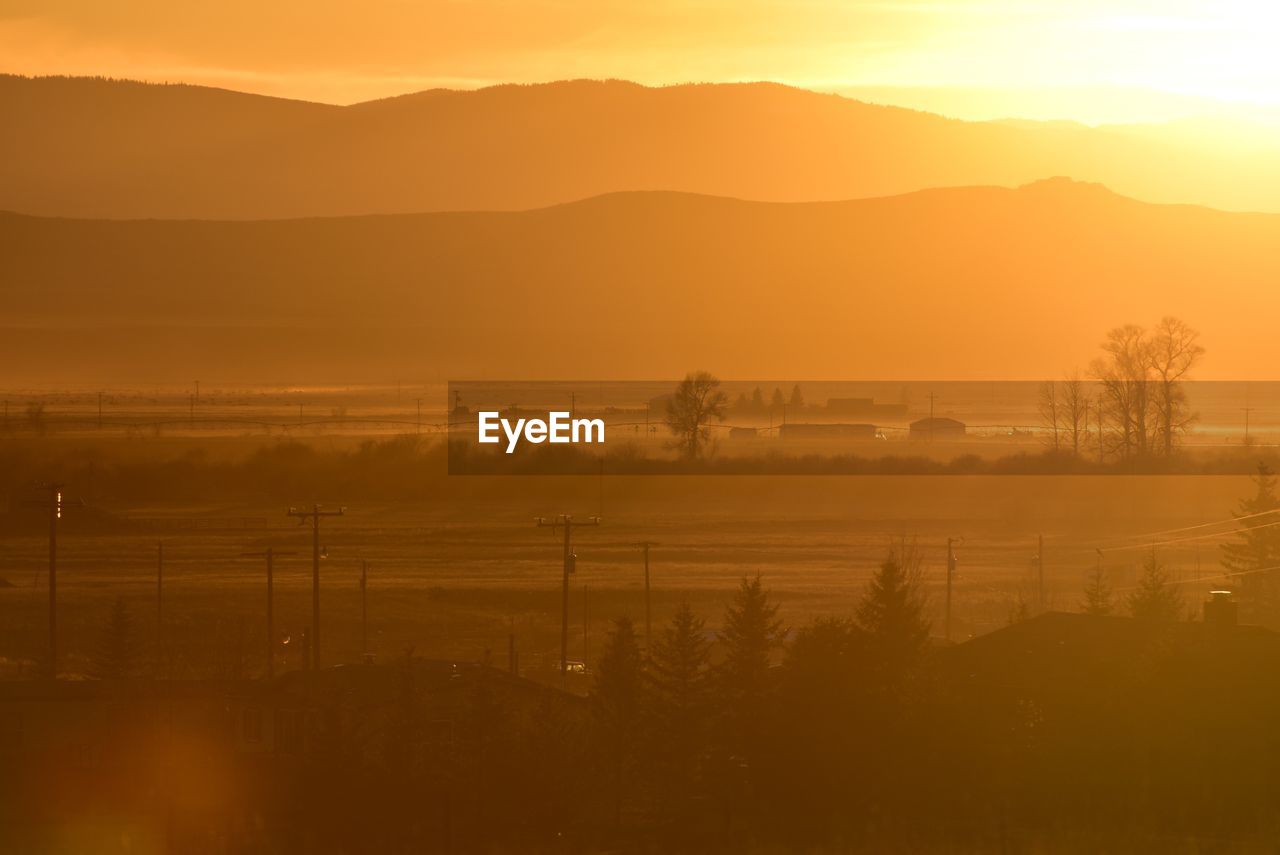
(452, 575)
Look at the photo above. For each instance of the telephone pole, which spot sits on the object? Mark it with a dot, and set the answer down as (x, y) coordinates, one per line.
(568, 523)
(951, 573)
(1040, 569)
(314, 516)
(159, 604)
(55, 516)
(270, 554)
(364, 609)
(648, 603)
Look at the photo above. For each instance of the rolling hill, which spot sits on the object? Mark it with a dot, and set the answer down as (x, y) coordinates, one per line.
(958, 282)
(117, 149)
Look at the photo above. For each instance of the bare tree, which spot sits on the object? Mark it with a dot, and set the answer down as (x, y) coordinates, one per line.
(1174, 351)
(1075, 412)
(1049, 415)
(1125, 375)
(697, 400)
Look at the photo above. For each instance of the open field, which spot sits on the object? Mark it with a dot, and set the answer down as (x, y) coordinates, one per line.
(452, 575)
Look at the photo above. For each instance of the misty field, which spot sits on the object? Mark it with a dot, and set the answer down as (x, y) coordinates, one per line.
(454, 574)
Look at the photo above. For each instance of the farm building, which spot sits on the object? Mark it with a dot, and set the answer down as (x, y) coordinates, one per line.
(937, 428)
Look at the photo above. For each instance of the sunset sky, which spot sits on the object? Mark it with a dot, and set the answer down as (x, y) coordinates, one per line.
(1122, 60)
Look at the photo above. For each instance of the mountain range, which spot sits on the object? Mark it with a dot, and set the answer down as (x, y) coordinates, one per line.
(951, 282)
(85, 147)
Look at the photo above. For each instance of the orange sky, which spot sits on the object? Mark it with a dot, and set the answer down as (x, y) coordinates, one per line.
(1123, 60)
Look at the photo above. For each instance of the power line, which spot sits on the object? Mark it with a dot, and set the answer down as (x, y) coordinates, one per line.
(314, 515)
(568, 523)
(1162, 532)
(648, 603)
(270, 554)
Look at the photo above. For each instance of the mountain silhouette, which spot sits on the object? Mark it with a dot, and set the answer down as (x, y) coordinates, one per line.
(954, 282)
(118, 149)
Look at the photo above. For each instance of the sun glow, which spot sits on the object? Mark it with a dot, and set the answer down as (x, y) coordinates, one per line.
(1091, 61)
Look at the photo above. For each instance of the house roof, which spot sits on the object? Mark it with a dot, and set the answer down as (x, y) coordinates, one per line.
(937, 422)
(1061, 653)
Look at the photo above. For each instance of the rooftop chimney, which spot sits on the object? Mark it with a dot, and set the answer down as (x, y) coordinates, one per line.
(1220, 609)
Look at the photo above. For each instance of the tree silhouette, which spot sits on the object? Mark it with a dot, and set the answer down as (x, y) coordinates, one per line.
(697, 400)
(1142, 375)
(892, 611)
(618, 703)
(678, 669)
(1256, 553)
(1174, 352)
(797, 397)
(1155, 598)
(679, 690)
(1097, 594)
(752, 631)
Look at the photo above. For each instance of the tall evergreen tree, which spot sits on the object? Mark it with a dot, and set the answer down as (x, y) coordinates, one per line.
(1256, 553)
(678, 669)
(618, 703)
(1155, 598)
(1097, 594)
(679, 684)
(892, 611)
(751, 632)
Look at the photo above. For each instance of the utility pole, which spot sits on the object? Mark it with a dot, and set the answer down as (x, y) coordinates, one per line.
(364, 609)
(159, 603)
(513, 658)
(648, 603)
(270, 554)
(1040, 568)
(314, 516)
(951, 572)
(931, 397)
(55, 516)
(568, 523)
(586, 624)
(1247, 410)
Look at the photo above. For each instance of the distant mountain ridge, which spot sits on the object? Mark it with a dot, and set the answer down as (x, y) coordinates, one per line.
(116, 149)
(946, 283)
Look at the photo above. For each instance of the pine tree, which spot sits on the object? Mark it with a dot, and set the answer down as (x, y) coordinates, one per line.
(117, 654)
(618, 703)
(752, 631)
(678, 669)
(619, 674)
(1097, 594)
(1155, 598)
(1257, 549)
(797, 397)
(678, 680)
(892, 611)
